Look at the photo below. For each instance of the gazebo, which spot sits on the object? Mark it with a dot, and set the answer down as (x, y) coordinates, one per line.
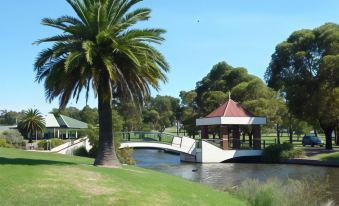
(229, 117)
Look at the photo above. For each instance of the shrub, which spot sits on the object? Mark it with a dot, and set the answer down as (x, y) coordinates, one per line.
(43, 144)
(13, 138)
(278, 193)
(126, 156)
(56, 142)
(3, 142)
(278, 152)
(81, 151)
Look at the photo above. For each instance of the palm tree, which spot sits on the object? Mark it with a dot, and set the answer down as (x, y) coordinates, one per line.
(101, 49)
(32, 122)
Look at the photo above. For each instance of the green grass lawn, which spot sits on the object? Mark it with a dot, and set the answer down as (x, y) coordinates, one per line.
(29, 178)
(328, 157)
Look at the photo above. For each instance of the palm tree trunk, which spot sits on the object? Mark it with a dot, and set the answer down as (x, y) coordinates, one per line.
(106, 156)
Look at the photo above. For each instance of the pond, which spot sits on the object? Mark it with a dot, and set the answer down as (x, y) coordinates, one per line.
(225, 175)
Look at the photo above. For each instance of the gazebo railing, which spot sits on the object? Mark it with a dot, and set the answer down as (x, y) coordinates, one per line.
(243, 144)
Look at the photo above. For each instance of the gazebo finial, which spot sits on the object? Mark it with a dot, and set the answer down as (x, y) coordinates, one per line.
(229, 95)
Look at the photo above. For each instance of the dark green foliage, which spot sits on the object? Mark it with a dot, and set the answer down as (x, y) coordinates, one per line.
(89, 115)
(81, 151)
(160, 112)
(131, 115)
(305, 68)
(10, 117)
(278, 152)
(189, 112)
(31, 123)
(72, 112)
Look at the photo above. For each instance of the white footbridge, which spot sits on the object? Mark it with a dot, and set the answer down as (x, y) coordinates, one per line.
(190, 150)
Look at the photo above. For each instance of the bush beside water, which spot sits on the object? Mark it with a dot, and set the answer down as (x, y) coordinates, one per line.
(275, 192)
(278, 152)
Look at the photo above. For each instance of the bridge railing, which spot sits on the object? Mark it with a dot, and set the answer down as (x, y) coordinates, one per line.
(141, 136)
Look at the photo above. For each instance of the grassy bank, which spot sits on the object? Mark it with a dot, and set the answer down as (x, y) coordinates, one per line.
(29, 178)
(328, 157)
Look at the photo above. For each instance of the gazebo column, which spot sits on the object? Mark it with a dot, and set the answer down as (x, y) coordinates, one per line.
(236, 137)
(224, 137)
(256, 137)
(204, 132)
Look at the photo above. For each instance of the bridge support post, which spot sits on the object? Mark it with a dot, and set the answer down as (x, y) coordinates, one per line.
(256, 137)
(224, 137)
(204, 132)
(236, 137)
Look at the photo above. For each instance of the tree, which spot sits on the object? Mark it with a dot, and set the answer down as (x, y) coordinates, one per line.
(214, 87)
(32, 122)
(10, 117)
(131, 114)
(212, 100)
(89, 115)
(151, 119)
(294, 125)
(246, 89)
(72, 112)
(189, 112)
(306, 68)
(167, 107)
(101, 49)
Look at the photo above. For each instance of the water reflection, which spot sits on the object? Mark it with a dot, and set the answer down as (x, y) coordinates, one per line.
(229, 174)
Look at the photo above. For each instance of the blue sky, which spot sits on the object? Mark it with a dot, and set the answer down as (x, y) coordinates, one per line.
(200, 33)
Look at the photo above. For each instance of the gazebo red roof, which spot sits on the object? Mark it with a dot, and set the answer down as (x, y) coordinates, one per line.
(230, 109)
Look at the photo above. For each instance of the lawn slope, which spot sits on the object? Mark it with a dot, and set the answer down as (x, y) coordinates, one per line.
(333, 157)
(29, 178)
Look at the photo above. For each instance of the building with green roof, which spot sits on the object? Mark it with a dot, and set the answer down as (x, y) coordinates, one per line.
(61, 126)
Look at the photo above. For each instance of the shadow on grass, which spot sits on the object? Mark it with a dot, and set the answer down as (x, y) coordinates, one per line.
(23, 161)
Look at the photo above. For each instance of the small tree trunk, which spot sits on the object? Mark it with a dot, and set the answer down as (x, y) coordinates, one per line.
(278, 134)
(328, 134)
(315, 132)
(336, 136)
(177, 127)
(106, 153)
(328, 129)
(291, 136)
